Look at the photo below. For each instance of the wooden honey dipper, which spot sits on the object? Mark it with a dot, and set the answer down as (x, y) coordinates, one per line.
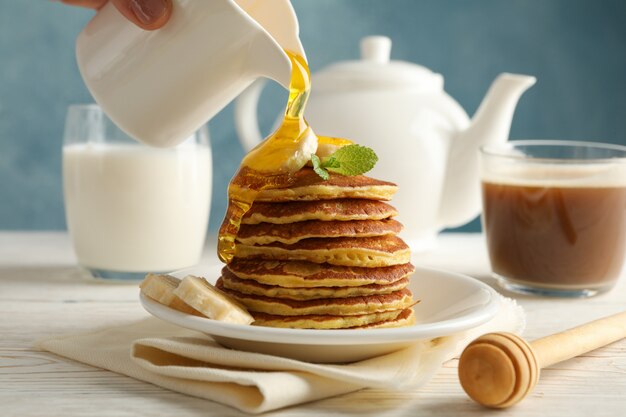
(499, 369)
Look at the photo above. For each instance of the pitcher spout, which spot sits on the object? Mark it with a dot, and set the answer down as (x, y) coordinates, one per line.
(491, 124)
(267, 59)
(278, 32)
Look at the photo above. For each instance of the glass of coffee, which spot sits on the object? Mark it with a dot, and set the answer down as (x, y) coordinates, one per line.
(554, 214)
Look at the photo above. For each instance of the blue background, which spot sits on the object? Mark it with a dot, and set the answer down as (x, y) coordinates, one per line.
(577, 50)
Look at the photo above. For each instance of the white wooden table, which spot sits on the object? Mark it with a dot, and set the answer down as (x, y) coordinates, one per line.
(42, 293)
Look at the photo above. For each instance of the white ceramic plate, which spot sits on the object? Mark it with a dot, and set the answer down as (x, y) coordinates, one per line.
(449, 303)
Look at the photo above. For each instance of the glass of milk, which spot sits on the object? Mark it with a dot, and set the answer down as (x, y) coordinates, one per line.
(131, 208)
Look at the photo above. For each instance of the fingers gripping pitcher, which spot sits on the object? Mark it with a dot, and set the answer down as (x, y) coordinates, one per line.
(161, 86)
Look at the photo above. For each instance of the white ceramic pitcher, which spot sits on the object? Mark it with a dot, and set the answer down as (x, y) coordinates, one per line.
(161, 86)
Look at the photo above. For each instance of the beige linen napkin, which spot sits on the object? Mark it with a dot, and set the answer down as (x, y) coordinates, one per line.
(192, 363)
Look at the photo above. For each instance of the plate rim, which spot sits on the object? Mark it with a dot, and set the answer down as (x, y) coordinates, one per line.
(328, 336)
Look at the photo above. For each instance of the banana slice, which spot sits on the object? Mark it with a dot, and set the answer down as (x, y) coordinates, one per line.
(211, 302)
(161, 289)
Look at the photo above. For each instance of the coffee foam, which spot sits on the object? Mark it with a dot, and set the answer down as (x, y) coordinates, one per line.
(600, 175)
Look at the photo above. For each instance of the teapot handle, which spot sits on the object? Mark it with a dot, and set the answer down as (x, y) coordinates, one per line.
(246, 120)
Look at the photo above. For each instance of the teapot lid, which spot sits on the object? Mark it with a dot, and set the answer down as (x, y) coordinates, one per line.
(374, 71)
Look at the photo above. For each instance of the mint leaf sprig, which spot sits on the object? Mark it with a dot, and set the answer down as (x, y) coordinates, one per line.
(348, 160)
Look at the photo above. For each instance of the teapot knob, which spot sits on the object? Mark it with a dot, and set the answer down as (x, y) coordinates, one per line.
(376, 49)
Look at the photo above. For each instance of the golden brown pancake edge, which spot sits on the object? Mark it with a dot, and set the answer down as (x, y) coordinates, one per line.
(309, 274)
(332, 306)
(267, 233)
(248, 286)
(324, 210)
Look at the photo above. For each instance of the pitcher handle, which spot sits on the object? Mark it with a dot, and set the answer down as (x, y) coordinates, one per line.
(246, 120)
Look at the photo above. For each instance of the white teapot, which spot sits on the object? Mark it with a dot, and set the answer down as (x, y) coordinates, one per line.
(425, 141)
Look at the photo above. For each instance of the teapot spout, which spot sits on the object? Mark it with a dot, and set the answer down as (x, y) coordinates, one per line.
(491, 124)
(492, 121)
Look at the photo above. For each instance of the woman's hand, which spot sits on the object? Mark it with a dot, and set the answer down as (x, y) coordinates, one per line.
(147, 14)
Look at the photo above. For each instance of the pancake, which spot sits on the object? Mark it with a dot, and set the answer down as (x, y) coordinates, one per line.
(264, 233)
(308, 274)
(398, 300)
(386, 319)
(366, 251)
(405, 318)
(325, 210)
(248, 286)
(307, 185)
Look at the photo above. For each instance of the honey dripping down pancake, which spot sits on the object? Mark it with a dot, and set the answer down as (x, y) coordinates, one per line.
(272, 163)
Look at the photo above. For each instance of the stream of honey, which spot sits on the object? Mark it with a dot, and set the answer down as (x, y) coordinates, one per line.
(272, 163)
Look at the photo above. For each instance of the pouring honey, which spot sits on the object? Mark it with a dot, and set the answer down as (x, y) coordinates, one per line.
(272, 163)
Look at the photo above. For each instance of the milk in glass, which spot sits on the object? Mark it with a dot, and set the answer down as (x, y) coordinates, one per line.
(134, 208)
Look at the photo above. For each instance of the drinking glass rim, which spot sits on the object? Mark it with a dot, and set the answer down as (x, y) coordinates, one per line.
(199, 137)
(499, 150)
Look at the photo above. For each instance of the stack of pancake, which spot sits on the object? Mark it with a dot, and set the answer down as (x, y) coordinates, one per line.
(322, 255)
